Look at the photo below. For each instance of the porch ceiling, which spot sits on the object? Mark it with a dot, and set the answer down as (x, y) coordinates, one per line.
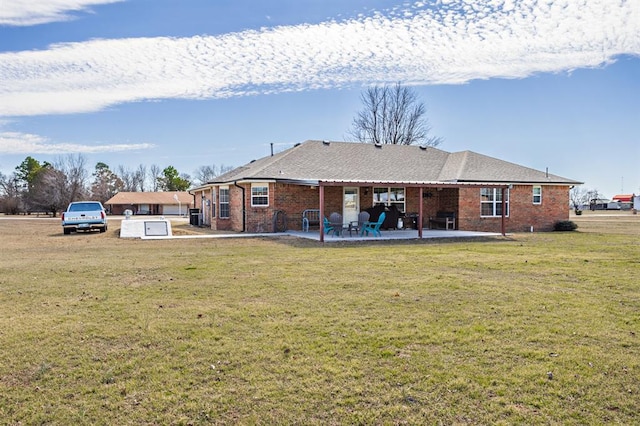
(413, 184)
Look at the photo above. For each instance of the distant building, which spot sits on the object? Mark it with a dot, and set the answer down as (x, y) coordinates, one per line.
(154, 203)
(599, 203)
(625, 201)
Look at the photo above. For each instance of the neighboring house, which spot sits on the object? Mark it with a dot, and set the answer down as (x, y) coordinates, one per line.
(600, 203)
(419, 181)
(625, 201)
(156, 203)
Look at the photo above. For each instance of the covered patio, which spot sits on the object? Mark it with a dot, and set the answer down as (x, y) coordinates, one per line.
(424, 191)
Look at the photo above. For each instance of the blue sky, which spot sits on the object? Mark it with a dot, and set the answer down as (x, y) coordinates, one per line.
(542, 83)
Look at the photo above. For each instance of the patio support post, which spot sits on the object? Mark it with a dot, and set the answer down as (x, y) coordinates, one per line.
(419, 224)
(321, 214)
(504, 204)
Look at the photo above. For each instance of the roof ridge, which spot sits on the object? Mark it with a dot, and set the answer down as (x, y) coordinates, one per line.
(463, 163)
(452, 157)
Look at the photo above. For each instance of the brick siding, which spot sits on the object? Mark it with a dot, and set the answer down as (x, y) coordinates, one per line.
(523, 214)
(465, 202)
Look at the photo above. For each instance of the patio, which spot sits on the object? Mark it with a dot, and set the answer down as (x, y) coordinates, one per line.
(314, 234)
(404, 234)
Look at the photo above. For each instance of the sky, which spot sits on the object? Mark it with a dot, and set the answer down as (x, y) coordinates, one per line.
(548, 84)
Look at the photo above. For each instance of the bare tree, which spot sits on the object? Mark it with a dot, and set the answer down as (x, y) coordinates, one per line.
(49, 191)
(155, 172)
(55, 186)
(579, 197)
(140, 177)
(128, 179)
(205, 174)
(11, 190)
(392, 115)
(74, 169)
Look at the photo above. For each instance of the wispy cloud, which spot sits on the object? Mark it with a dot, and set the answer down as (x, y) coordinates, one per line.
(34, 12)
(449, 42)
(25, 143)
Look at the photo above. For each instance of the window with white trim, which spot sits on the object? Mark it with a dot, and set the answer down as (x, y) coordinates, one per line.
(259, 195)
(389, 196)
(491, 202)
(224, 202)
(537, 194)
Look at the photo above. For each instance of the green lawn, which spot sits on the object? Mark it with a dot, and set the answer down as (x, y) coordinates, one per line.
(532, 329)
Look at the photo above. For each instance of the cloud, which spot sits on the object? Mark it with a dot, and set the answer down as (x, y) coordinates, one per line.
(451, 42)
(35, 12)
(25, 143)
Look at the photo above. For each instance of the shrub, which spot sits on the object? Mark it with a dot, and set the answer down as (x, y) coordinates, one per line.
(565, 225)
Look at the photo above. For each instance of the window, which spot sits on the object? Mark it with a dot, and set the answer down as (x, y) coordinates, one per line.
(389, 196)
(224, 202)
(537, 195)
(259, 194)
(491, 202)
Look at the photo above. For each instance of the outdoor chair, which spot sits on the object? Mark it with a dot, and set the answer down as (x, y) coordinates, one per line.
(335, 222)
(327, 226)
(373, 227)
(363, 217)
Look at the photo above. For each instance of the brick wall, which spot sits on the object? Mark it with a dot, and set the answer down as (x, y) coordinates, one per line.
(234, 222)
(554, 207)
(290, 199)
(294, 199)
(523, 214)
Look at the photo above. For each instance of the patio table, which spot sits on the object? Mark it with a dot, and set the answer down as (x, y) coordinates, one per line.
(350, 227)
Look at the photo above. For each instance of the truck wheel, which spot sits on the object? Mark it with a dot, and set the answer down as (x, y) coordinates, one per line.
(66, 231)
(103, 229)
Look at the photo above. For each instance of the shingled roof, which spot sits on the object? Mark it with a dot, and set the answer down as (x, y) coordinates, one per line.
(313, 162)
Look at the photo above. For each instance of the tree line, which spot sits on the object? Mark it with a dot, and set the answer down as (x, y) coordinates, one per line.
(37, 186)
(391, 114)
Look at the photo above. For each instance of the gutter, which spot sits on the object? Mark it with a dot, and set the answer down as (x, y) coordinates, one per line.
(244, 206)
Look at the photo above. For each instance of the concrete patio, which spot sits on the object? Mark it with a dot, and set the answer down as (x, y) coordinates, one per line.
(404, 234)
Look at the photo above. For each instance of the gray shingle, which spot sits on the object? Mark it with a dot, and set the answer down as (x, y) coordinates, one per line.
(358, 162)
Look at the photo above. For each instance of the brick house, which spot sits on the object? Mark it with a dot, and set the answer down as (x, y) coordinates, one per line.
(483, 193)
(155, 203)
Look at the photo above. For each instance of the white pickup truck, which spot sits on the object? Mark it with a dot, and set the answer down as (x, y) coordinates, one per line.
(84, 216)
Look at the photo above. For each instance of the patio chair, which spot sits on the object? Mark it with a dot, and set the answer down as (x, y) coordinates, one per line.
(363, 217)
(373, 227)
(327, 226)
(335, 222)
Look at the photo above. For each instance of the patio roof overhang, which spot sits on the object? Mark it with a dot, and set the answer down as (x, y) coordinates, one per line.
(420, 185)
(414, 184)
(365, 182)
(321, 184)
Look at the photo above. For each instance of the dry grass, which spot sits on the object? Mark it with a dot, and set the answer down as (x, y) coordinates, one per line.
(534, 328)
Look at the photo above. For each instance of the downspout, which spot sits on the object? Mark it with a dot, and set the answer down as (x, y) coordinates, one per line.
(502, 223)
(420, 213)
(244, 206)
(321, 214)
